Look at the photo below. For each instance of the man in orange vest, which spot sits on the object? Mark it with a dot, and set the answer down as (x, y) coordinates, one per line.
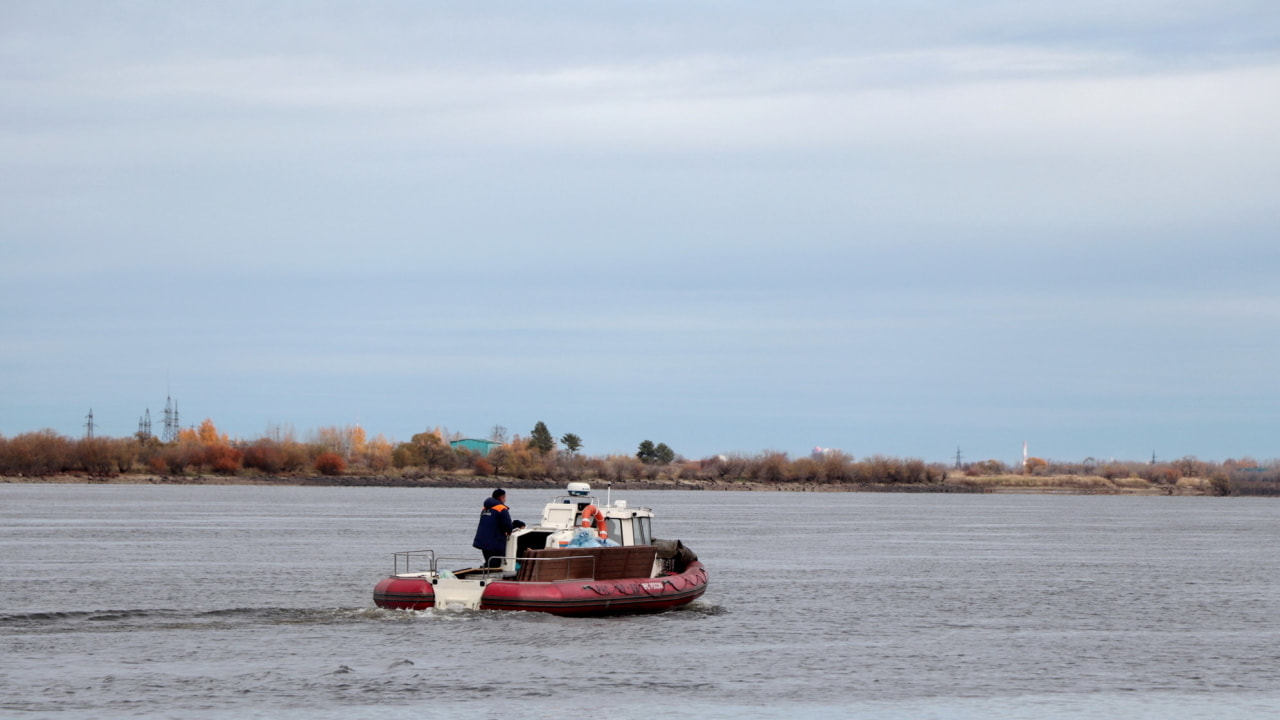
(493, 529)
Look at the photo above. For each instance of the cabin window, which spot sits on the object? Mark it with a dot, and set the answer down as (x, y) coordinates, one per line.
(615, 530)
(644, 536)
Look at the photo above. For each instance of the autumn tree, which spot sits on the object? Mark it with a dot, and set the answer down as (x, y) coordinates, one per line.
(517, 459)
(347, 441)
(377, 453)
(425, 449)
(207, 434)
(358, 442)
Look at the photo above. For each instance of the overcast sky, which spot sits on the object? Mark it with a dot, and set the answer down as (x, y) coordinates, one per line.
(893, 228)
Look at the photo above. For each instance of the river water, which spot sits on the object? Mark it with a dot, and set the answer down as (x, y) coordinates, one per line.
(124, 601)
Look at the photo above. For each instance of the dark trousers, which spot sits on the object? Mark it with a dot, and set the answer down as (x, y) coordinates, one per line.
(492, 559)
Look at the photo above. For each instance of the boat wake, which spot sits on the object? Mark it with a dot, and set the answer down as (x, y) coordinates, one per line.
(114, 620)
(165, 618)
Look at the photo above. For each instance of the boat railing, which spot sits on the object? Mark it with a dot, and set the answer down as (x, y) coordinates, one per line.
(406, 559)
(574, 500)
(549, 569)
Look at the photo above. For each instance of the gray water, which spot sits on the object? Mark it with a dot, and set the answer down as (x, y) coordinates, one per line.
(255, 602)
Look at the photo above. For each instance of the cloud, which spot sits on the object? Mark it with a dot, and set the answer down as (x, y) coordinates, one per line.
(700, 216)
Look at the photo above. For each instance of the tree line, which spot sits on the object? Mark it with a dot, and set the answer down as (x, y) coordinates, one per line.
(337, 451)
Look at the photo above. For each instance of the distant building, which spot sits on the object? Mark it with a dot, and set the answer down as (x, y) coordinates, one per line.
(479, 447)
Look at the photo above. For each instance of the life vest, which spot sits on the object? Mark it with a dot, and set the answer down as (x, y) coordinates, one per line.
(593, 516)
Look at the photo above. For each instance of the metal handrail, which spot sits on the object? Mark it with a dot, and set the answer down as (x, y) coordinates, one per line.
(406, 559)
(408, 556)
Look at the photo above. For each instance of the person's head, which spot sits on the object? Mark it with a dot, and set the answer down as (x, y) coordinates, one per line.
(500, 495)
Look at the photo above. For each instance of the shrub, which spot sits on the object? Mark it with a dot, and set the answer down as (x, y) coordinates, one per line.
(178, 457)
(223, 459)
(378, 454)
(877, 469)
(523, 462)
(296, 456)
(406, 455)
(95, 456)
(1189, 466)
(1114, 472)
(1161, 475)
(38, 454)
(482, 467)
(330, 464)
(265, 456)
(804, 470)
(618, 468)
(986, 467)
(835, 467)
(772, 467)
(125, 452)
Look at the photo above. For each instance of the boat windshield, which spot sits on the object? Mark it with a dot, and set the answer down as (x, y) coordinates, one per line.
(644, 536)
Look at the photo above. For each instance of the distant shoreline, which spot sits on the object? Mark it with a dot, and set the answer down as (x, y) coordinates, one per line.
(1003, 484)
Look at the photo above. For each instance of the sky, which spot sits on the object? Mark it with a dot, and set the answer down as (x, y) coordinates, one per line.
(897, 228)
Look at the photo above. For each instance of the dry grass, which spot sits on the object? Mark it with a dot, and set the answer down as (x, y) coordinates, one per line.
(1075, 483)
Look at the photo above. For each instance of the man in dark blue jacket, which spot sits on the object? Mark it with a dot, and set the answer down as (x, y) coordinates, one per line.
(494, 527)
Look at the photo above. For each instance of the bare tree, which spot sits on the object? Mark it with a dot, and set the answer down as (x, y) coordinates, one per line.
(498, 434)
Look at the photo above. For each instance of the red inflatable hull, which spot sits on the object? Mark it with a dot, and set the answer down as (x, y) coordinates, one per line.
(565, 597)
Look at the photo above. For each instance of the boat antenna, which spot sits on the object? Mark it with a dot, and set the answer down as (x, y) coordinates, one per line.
(608, 498)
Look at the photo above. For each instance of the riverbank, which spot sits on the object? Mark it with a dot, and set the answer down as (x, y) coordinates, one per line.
(1052, 484)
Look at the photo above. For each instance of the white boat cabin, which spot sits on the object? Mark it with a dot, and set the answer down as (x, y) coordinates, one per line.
(562, 517)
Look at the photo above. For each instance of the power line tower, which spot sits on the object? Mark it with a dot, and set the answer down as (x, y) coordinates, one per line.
(171, 425)
(88, 425)
(958, 457)
(144, 426)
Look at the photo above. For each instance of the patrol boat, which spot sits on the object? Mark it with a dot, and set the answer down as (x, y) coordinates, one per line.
(583, 558)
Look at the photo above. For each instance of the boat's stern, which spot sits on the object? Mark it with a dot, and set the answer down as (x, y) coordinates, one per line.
(417, 582)
(405, 592)
(458, 593)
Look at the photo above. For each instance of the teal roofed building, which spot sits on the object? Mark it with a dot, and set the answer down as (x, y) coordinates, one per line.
(479, 447)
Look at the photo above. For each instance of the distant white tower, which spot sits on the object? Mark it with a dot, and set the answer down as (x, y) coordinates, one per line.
(1024, 453)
